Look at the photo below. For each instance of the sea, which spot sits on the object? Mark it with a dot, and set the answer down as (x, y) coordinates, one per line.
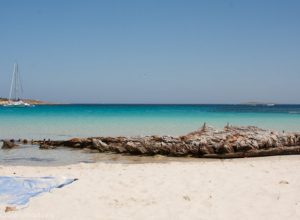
(81, 120)
(67, 121)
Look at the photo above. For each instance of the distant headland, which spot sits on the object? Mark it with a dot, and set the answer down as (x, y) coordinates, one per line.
(259, 103)
(4, 101)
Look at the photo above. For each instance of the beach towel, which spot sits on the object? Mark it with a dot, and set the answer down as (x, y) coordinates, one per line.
(17, 191)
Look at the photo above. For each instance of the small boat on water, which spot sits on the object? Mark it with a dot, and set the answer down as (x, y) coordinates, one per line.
(16, 90)
(19, 103)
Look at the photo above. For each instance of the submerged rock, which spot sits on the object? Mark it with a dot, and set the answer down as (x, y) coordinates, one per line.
(8, 144)
(45, 146)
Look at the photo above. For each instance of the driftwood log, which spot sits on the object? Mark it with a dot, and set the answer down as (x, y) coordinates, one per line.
(231, 142)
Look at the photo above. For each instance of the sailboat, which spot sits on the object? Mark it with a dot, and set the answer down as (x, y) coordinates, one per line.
(16, 90)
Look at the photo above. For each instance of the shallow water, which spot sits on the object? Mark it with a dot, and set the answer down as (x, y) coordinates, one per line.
(65, 121)
(31, 155)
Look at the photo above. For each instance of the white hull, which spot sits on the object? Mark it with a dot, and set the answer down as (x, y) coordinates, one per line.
(18, 104)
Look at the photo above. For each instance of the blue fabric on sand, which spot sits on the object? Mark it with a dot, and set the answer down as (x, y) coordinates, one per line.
(18, 190)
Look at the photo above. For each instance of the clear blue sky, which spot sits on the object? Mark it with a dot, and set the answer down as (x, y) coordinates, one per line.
(152, 51)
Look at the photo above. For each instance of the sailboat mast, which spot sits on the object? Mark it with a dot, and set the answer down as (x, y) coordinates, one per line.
(16, 86)
(12, 83)
(16, 75)
(16, 82)
(20, 88)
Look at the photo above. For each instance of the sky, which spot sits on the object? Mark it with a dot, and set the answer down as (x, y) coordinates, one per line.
(152, 51)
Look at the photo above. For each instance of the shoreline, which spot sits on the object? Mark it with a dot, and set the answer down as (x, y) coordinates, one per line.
(139, 183)
(259, 188)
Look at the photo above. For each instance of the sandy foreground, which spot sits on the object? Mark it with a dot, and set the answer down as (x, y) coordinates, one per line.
(252, 188)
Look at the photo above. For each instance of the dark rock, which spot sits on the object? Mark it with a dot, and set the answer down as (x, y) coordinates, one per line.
(206, 150)
(298, 139)
(119, 149)
(135, 147)
(8, 144)
(254, 144)
(165, 148)
(113, 140)
(157, 138)
(193, 148)
(179, 149)
(242, 147)
(76, 143)
(225, 149)
(154, 147)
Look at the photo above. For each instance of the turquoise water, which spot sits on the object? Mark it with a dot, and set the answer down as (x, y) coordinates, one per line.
(65, 121)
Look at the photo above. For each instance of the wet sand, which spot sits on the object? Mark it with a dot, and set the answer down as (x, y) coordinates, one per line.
(250, 188)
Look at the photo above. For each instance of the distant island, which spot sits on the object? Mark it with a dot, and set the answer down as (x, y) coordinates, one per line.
(258, 103)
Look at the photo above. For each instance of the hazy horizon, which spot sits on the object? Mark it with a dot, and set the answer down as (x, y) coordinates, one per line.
(152, 52)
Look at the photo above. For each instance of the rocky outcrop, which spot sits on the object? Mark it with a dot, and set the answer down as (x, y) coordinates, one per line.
(8, 144)
(231, 142)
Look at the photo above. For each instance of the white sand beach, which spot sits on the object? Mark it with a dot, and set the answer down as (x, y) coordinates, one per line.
(252, 188)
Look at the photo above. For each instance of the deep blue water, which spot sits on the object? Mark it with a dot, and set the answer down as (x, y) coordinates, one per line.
(64, 121)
